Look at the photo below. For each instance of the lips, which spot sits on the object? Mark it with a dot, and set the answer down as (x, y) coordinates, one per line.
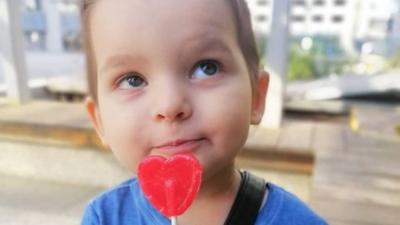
(180, 145)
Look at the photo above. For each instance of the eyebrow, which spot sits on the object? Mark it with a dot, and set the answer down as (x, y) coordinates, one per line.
(205, 45)
(197, 46)
(120, 60)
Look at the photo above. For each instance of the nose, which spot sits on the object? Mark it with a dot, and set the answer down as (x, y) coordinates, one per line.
(172, 104)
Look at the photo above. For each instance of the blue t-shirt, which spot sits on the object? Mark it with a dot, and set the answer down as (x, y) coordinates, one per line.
(126, 204)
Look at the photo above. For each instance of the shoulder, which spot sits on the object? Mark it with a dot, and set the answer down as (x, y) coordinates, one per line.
(284, 208)
(110, 204)
(114, 196)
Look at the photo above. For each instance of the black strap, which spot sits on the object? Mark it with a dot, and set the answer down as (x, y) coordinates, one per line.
(248, 200)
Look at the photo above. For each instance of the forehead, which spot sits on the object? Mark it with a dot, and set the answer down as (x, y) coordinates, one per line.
(122, 22)
(149, 11)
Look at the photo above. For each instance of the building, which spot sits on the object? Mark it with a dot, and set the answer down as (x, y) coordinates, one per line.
(308, 17)
(354, 22)
(52, 25)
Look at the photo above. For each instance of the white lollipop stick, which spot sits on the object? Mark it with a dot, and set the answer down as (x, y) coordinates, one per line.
(174, 220)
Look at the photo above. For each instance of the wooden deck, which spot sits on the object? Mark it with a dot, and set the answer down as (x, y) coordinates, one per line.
(357, 175)
(61, 123)
(48, 122)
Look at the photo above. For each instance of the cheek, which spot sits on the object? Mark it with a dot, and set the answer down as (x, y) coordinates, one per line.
(229, 115)
(122, 134)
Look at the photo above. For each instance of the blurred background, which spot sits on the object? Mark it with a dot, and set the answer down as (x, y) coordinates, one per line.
(331, 132)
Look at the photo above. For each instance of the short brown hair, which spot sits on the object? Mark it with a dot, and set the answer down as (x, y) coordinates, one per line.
(244, 31)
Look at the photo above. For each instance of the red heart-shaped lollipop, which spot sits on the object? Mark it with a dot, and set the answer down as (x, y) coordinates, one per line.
(170, 184)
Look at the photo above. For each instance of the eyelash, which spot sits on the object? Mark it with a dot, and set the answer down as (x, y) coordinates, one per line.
(127, 75)
(216, 63)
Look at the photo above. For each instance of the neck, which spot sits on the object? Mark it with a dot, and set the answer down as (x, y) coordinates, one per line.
(222, 182)
(215, 199)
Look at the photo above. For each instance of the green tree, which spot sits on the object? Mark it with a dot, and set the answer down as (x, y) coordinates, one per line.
(394, 62)
(301, 65)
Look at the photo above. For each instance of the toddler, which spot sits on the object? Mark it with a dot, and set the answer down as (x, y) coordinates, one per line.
(171, 77)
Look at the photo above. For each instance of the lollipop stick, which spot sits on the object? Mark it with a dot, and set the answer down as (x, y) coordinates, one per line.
(174, 220)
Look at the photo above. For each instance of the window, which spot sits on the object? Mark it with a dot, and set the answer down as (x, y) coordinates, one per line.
(298, 18)
(337, 19)
(378, 25)
(299, 2)
(262, 2)
(35, 40)
(261, 18)
(32, 5)
(317, 18)
(68, 7)
(339, 2)
(319, 2)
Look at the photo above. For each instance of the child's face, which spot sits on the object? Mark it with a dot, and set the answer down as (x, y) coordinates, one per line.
(171, 79)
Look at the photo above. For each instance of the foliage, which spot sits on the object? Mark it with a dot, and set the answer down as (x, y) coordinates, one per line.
(324, 58)
(394, 62)
(301, 65)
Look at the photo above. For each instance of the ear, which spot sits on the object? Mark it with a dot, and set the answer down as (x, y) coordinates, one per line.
(259, 96)
(94, 115)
